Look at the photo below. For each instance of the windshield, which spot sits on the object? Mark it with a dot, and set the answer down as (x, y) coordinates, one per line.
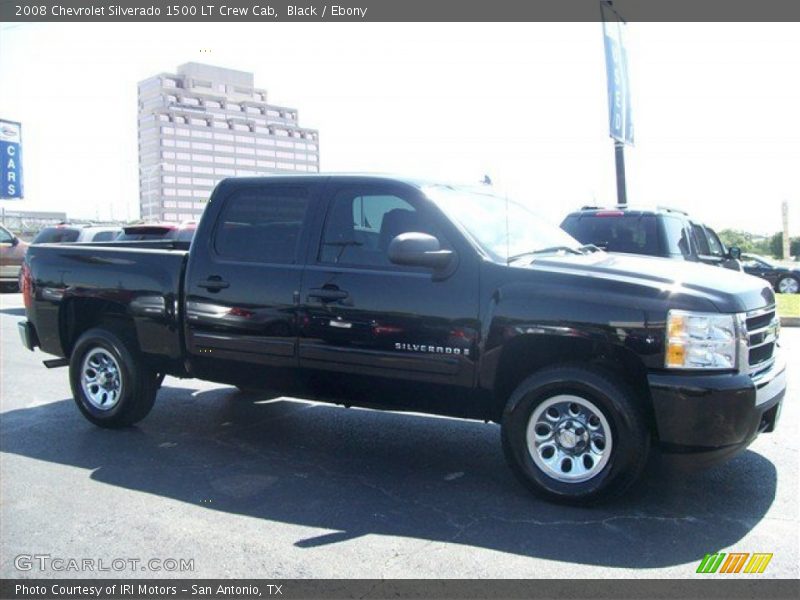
(500, 235)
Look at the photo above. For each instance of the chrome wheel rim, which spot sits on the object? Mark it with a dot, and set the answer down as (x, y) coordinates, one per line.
(101, 379)
(788, 285)
(569, 438)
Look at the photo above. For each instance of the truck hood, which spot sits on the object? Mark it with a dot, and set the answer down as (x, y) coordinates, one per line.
(727, 290)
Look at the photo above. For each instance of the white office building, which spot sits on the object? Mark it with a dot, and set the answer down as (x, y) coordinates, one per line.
(203, 124)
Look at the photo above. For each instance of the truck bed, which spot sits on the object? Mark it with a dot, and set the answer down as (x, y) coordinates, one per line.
(138, 281)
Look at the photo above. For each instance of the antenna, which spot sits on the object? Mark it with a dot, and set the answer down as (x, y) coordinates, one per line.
(508, 232)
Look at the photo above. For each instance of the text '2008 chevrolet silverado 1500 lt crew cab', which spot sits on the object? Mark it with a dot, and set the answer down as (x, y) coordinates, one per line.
(403, 295)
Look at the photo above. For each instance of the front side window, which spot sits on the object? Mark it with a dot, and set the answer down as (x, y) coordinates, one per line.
(263, 224)
(360, 226)
(714, 243)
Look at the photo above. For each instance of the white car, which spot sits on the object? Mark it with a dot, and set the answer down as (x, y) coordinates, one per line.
(68, 233)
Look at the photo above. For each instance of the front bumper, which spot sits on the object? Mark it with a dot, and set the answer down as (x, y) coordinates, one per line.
(712, 417)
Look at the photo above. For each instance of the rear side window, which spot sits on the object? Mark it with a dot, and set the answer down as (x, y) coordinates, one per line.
(105, 236)
(263, 224)
(635, 234)
(56, 235)
(185, 235)
(700, 240)
(675, 235)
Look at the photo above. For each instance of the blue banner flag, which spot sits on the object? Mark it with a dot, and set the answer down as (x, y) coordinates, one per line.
(620, 112)
(11, 184)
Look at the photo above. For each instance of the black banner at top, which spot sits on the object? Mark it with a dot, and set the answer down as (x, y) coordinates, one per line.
(242, 11)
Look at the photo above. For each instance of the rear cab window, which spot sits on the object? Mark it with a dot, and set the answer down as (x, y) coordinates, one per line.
(144, 233)
(616, 232)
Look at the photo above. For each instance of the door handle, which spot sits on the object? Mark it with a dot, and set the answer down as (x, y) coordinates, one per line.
(213, 284)
(327, 294)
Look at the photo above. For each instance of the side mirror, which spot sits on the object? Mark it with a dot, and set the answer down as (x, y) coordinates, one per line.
(735, 252)
(416, 249)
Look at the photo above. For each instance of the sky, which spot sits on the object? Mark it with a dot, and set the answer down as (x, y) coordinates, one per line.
(716, 107)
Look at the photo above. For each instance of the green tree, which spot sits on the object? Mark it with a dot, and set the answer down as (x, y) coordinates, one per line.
(776, 245)
(739, 238)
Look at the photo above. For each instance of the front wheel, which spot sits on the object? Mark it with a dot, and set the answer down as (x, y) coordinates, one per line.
(575, 434)
(110, 383)
(788, 285)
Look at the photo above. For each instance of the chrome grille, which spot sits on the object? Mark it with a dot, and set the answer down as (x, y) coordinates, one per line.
(763, 326)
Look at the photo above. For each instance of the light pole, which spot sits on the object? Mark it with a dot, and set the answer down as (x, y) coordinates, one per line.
(147, 176)
(619, 100)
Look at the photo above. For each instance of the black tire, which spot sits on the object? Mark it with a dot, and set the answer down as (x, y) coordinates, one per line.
(139, 384)
(617, 403)
(790, 278)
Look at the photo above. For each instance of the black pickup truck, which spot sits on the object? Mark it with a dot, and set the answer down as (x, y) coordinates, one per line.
(405, 295)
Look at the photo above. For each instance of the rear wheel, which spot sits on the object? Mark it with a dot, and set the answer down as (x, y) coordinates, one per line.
(575, 434)
(788, 285)
(110, 382)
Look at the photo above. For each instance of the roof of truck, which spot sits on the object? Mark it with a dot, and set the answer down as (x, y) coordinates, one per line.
(417, 182)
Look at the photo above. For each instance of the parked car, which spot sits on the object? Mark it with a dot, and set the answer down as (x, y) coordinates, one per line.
(663, 232)
(404, 295)
(12, 253)
(71, 233)
(183, 232)
(784, 280)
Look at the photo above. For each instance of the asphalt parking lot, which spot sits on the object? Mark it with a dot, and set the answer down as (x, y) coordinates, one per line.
(253, 487)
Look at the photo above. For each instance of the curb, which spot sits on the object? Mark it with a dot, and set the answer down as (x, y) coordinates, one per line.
(790, 321)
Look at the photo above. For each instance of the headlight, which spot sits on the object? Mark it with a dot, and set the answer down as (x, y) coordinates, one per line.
(700, 340)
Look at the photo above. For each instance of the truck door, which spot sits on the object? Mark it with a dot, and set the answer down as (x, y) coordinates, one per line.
(363, 315)
(243, 279)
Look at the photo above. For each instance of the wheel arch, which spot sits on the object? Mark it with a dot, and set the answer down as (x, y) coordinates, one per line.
(525, 354)
(78, 315)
